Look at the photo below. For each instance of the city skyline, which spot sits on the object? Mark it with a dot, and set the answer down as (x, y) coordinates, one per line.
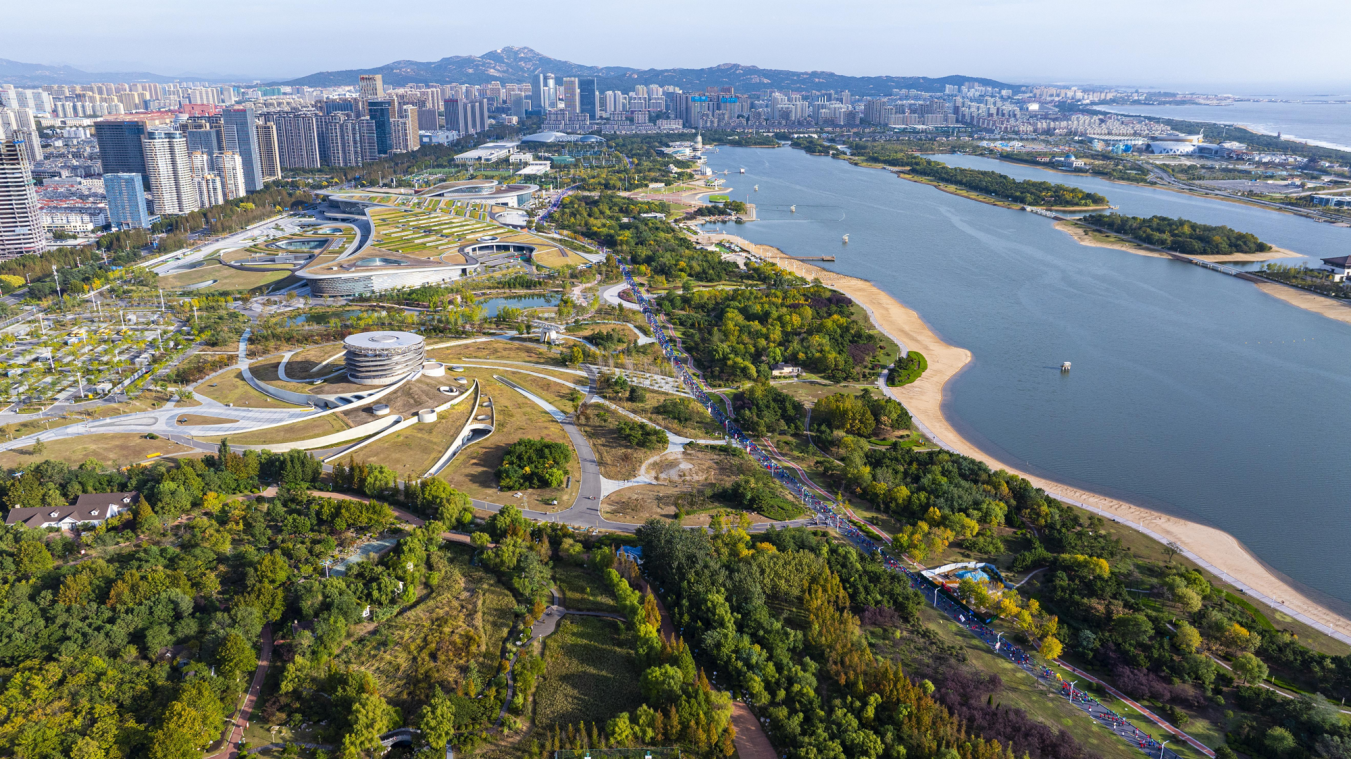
(1185, 46)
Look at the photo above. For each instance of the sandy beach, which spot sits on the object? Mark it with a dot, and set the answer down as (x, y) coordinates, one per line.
(1085, 237)
(1214, 549)
(1324, 306)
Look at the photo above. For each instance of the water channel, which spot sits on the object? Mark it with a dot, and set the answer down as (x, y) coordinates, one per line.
(1192, 393)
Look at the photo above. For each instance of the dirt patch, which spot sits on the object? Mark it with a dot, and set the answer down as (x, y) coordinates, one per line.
(684, 479)
(188, 420)
(751, 741)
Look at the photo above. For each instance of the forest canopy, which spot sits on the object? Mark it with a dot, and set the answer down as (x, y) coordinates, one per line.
(1186, 237)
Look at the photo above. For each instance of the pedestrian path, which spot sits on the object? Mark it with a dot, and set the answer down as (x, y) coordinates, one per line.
(836, 516)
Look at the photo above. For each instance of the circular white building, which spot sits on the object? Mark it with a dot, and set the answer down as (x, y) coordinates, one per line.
(383, 358)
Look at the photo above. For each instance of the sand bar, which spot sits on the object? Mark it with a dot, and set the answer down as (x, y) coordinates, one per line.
(1332, 308)
(1216, 550)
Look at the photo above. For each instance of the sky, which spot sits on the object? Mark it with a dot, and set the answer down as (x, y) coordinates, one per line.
(1239, 46)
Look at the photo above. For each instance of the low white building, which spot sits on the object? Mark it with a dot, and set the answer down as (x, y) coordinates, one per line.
(1339, 266)
(487, 153)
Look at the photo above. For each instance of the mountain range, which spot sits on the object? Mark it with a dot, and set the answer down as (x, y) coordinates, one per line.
(521, 64)
(37, 74)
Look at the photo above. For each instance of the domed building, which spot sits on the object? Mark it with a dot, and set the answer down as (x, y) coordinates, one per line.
(383, 358)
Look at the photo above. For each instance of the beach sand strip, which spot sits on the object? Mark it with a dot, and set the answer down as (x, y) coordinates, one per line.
(1216, 550)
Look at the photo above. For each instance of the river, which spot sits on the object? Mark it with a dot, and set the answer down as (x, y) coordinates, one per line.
(1192, 393)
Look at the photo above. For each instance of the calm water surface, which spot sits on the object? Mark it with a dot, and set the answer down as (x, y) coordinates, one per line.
(1192, 393)
(1324, 123)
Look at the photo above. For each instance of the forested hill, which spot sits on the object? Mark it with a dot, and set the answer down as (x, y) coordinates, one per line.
(521, 64)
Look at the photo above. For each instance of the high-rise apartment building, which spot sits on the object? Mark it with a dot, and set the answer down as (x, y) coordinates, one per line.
(380, 112)
(367, 141)
(120, 150)
(411, 126)
(519, 104)
(126, 201)
(21, 231)
(241, 136)
(210, 191)
(588, 97)
(170, 169)
(371, 86)
(18, 123)
(202, 138)
(230, 168)
(571, 97)
(297, 139)
(269, 151)
(466, 116)
(398, 136)
(428, 119)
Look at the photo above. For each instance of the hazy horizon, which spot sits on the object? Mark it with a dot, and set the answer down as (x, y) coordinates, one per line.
(1192, 46)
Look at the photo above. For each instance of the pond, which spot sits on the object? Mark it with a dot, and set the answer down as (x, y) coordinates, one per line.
(320, 318)
(545, 300)
(301, 244)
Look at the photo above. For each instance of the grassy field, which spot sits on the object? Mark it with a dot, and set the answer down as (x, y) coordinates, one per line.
(496, 613)
(412, 451)
(266, 370)
(226, 278)
(700, 427)
(591, 673)
(923, 658)
(445, 620)
(618, 460)
(113, 448)
(517, 374)
(231, 388)
(302, 430)
(19, 429)
(514, 350)
(557, 258)
(582, 589)
(473, 471)
(188, 420)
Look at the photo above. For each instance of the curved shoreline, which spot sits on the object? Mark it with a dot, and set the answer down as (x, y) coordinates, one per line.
(1215, 550)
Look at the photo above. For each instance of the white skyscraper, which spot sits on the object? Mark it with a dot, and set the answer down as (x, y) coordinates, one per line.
(230, 169)
(20, 220)
(210, 192)
(169, 170)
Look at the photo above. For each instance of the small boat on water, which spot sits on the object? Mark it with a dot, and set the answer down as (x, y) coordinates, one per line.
(792, 209)
(846, 239)
(743, 171)
(757, 188)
